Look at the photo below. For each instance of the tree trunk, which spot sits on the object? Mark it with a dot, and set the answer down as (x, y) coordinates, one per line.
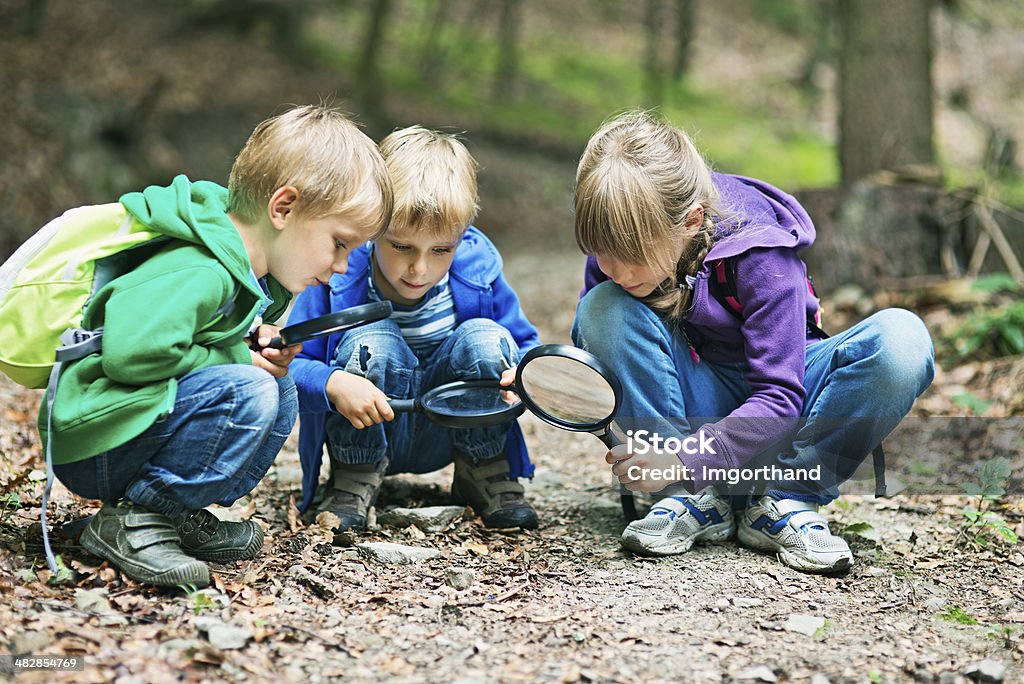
(885, 86)
(368, 71)
(507, 73)
(684, 35)
(654, 79)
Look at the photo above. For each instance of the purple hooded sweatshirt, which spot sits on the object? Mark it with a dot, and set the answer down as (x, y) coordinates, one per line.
(764, 228)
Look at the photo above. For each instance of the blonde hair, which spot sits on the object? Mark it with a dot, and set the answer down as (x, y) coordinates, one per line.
(637, 182)
(434, 178)
(336, 168)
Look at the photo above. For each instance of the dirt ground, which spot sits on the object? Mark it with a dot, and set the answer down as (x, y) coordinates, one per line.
(563, 603)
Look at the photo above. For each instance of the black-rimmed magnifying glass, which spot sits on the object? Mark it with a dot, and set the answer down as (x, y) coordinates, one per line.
(562, 385)
(326, 325)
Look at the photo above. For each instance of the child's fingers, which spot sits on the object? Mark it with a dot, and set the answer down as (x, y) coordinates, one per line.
(384, 408)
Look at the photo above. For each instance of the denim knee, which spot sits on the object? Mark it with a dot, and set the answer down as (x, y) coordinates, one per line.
(482, 349)
(373, 350)
(605, 316)
(252, 394)
(902, 354)
(287, 402)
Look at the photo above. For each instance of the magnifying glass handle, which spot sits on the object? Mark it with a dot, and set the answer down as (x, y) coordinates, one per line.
(275, 343)
(402, 405)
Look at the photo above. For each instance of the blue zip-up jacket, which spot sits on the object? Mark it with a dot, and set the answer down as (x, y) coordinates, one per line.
(479, 290)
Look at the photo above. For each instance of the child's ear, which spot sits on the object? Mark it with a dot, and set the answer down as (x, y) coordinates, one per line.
(695, 218)
(281, 205)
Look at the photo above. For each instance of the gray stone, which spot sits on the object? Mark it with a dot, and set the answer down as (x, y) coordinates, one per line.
(987, 670)
(820, 679)
(746, 602)
(760, 673)
(804, 624)
(92, 600)
(428, 519)
(387, 552)
(30, 643)
(935, 603)
(225, 636)
(459, 578)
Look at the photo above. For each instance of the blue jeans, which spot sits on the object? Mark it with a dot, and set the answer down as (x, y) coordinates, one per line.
(478, 349)
(227, 425)
(859, 384)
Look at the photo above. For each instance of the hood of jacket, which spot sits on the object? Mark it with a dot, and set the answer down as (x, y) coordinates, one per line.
(196, 212)
(757, 214)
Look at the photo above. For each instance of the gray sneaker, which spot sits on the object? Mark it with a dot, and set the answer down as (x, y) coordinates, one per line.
(144, 544)
(676, 523)
(797, 533)
(208, 538)
(499, 500)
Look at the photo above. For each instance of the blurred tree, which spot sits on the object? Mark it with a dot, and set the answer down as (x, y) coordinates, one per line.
(654, 76)
(506, 75)
(684, 34)
(885, 88)
(368, 76)
(431, 54)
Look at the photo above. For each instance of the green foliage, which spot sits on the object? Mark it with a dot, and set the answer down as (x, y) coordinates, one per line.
(958, 615)
(988, 333)
(863, 530)
(64, 574)
(992, 476)
(10, 501)
(972, 403)
(200, 601)
(996, 282)
(983, 526)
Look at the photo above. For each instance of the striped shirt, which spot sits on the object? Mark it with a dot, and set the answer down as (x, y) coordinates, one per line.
(425, 325)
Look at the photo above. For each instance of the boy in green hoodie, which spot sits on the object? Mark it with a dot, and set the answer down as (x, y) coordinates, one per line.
(176, 413)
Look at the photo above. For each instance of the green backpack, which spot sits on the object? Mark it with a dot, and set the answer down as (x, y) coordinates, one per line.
(46, 284)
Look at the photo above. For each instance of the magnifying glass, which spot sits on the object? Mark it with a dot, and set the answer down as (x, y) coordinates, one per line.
(562, 385)
(331, 323)
(465, 404)
(573, 390)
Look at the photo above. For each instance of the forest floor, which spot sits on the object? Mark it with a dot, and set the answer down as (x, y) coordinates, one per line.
(929, 599)
(113, 92)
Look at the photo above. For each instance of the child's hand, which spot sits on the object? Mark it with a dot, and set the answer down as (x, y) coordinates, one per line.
(648, 472)
(274, 361)
(508, 376)
(358, 399)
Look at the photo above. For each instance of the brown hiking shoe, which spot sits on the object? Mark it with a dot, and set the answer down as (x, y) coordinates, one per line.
(144, 545)
(351, 491)
(498, 500)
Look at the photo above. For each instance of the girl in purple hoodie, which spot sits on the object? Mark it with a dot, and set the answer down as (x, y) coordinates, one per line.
(731, 393)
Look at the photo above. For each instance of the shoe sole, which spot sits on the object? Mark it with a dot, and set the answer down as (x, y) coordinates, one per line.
(761, 542)
(250, 550)
(647, 545)
(188, 573)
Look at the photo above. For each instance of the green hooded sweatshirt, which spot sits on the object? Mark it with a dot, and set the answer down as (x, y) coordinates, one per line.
(161, 320)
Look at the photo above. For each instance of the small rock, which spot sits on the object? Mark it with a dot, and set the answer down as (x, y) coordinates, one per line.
(760, 673)
(987, 670)
(820, 679)
(387, 552)
(877, 572)
(804, 624)
(459, 578)
(92, 600)
(947, 678)
(746, 602)
(935, 603)
(429, 519)
(30, 643)
(722, 603)
(317, 585)
(224, 636)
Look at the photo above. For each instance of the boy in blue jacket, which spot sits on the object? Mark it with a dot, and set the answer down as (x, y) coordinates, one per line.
(455, 318)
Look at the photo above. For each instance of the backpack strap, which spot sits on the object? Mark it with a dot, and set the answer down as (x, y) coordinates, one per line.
(722, 286)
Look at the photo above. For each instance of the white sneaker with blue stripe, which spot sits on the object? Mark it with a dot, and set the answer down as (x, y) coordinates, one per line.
(796, 532)
(675, 523)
